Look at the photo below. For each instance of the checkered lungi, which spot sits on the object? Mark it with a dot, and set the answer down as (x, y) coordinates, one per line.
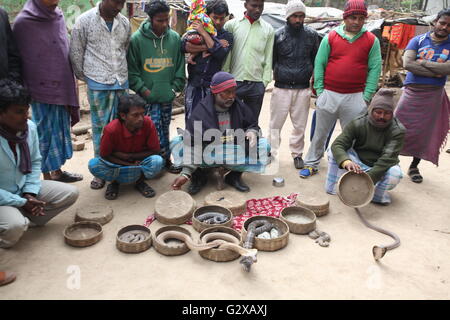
(103, 105)
(108, 171)
(229, 156)
(161, 115)
(53, 125)
(388, 182)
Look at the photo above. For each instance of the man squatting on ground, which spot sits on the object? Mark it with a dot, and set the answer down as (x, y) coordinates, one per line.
(346, 72)
(129, 149)
(294, 51)
(370, 143)
(219, 121)
(25, 200)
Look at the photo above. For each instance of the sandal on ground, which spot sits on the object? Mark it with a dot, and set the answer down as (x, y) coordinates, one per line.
(6, 277)
(97, 183)
(145, 189)
(112, 191)
(68, 177)
(307, 171)
(415, 175)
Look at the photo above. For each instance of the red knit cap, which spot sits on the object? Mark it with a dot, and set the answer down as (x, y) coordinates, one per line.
(353, 7)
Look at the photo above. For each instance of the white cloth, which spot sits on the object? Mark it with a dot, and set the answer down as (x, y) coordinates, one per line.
(294, 102)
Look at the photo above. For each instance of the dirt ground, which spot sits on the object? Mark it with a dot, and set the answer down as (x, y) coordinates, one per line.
(47, 268)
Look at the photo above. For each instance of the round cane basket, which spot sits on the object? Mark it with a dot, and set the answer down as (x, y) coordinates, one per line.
(317, 203)
(174, 207)
(83, 234)
(268, 244)
(300, 220)
(199, 226)
(134, 247)
(169, 249)
(94, 213)
(231, 200)
(355, 190)
(219, 255)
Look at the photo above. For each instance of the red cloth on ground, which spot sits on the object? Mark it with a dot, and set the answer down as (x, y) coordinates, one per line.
(271, 207)
(117, 138)
(347, 66)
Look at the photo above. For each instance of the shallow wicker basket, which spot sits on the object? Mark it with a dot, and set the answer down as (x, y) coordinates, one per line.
(137, 246)
(231, 200)
(220, 255)
(318, 203)
(174, 207)
(83, 234)
(355, 190)
(95, 213)
(169, 250)
(268, 244)
(288, 214)
(200, 226)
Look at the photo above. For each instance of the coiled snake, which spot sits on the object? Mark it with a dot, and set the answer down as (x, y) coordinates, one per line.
(380, 251)
(213, 218)
(211, 240)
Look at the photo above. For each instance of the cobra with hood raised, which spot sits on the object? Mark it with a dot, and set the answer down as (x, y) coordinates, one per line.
(156, 63)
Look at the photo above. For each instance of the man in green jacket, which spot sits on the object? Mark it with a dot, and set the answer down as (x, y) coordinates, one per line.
(156, 70)
(370, 143)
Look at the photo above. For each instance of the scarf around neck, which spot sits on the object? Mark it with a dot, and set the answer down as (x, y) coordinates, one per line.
(21, 140)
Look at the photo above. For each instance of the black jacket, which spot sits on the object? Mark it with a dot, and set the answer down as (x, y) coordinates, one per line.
(9, 54)
(294, 52)
(242, 117)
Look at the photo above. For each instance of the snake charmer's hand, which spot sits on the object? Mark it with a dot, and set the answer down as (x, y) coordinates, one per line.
(34, 206)
(351, 166)
(181, 180)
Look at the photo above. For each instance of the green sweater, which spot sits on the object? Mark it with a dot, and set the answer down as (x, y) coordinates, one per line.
(378, 148)
(374, 63)
(156, 63)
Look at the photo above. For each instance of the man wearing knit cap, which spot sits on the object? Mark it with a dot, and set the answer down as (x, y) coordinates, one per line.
(221, 133)
(346, 72)
(294, 51)
(370, 143)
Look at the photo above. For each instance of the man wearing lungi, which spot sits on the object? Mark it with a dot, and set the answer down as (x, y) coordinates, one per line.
(98, 49)
(157, 70)
(41, 36)
(129, 149)
(424, 107)
(346, 72)
(370, 143)
(221, 132)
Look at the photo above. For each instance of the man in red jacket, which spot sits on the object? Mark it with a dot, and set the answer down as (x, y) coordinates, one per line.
(346, 72)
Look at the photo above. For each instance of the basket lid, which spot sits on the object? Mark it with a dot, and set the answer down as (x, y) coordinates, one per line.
(231, 200)
(174, 207)
(355, 190)
(95, 213)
